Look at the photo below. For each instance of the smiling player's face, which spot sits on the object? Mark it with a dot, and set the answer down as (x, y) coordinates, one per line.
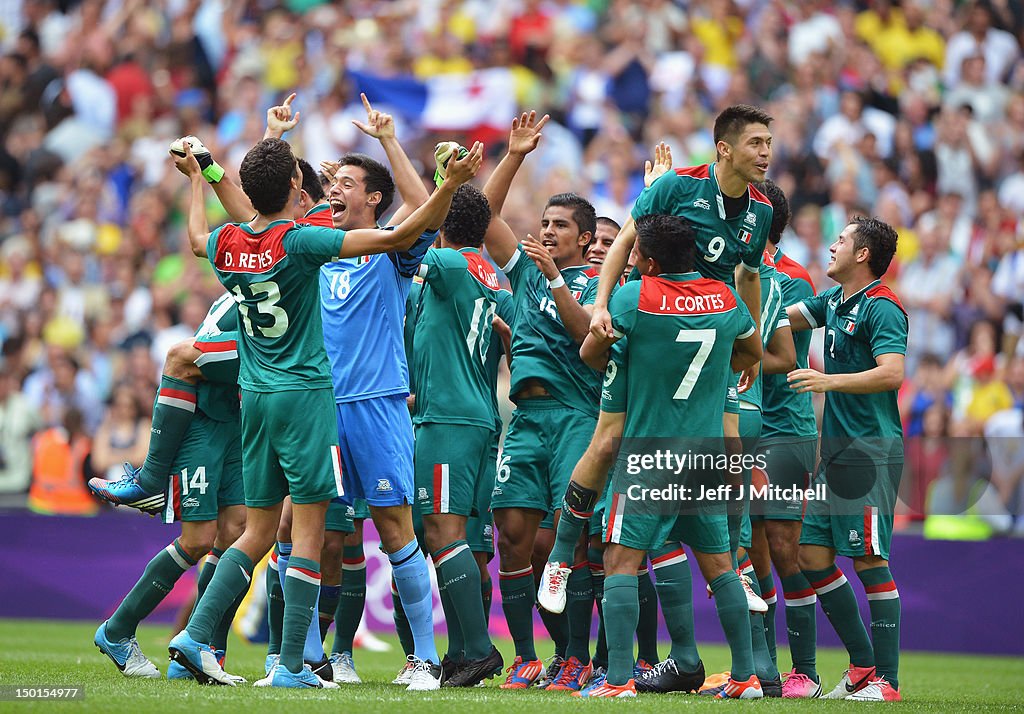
(351, 204)
(560, 234)
(752, 153)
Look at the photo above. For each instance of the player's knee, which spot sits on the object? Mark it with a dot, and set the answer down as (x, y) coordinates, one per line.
(197, 542)
(334, 546)
(181, 362)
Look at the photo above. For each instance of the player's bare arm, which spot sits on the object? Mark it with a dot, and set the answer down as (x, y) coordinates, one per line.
(230, 194)
(618, 255)
(504, 332)
(523, 139)
(366, 241)
(885, 377)
(381, 126)
(780, 356)
(746, 352)
(575, 317)
(594, 350)
(198, 228)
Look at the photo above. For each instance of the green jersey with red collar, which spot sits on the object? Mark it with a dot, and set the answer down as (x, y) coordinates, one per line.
(272, 275)
(871, 322)
(773, 316)
(452, 337)
(679, 331)
(541, 347)
(784, 412)
(722, 244)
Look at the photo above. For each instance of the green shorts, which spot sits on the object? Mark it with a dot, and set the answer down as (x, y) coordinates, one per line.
(545, 441)
(480, 527)
(648, 525)
(788, 463)
(750, 433)
(219, 359)
(290, 447)
(451, 461)
(855, 517)
(341, 517)
(207, 471)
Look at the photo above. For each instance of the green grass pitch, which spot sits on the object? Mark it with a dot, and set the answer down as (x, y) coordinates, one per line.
(62, 654)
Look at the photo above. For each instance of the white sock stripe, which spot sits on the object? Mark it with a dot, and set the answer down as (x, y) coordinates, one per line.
(207, 357)
(176, 557)
(296, 573)
(678, 558)
(448, 556)
(212, 559)
(887, 595)
(177, 403)
(354, 566)
(516, 573)
(770, 600)
(801, 601)
(749, 570)
(272, 564)
(837, 583)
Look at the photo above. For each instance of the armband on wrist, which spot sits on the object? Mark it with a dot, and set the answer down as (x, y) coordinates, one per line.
(213, 173)
(556, 283)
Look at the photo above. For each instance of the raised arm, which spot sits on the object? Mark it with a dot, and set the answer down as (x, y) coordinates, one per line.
(365, 241)
(523, 139)
(198, 229)
(381, 126)
(280, 119)
(230, 194)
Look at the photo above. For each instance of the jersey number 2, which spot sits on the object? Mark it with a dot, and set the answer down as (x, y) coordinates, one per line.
(706, 340)
(266, 305)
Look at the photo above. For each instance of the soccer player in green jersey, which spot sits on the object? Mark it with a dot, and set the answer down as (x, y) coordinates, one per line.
(779, 358)
(202, 489)
(556, 398)
(670, 317)
(454, 420)
(289, 439)
(788, 445)
(861, 453)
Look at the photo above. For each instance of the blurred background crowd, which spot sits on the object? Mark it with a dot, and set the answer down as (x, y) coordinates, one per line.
(911, 110)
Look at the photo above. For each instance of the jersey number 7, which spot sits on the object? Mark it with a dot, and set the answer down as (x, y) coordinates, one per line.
(706, 340)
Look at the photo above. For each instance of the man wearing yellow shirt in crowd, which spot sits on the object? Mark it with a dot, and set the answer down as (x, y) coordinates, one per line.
(899, 37)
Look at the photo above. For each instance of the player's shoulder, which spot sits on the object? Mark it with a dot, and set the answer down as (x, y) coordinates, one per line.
(697, 173)
(881, 297)
(793, 270)
(319, 215)
(758, 201)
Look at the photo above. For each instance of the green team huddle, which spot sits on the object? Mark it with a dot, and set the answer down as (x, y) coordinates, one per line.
(689, 345)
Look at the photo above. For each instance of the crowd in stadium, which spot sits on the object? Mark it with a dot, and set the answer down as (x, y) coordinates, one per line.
(910, 111)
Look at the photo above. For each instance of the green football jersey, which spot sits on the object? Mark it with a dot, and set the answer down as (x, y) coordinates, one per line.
(452, 337)
(871, 322)
(541, 347)
(784, 412)
(773, 316)
(680, 330)
(692, 193)
(219, 401)
(273, 276)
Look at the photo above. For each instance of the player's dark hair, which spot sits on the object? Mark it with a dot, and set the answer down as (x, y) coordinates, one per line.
(609, 221)
(311, 181)
(266, 172)
(467, 219)
(879, 238)
(733, 120)
(378, 178)
(780, 209)
(582, 211)
(669, 240)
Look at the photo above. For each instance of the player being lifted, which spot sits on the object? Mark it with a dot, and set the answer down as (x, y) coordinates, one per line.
(289, 446)
(731, 218)
(861, 453)
(670, 317)
(205, 485)
(556, 401)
